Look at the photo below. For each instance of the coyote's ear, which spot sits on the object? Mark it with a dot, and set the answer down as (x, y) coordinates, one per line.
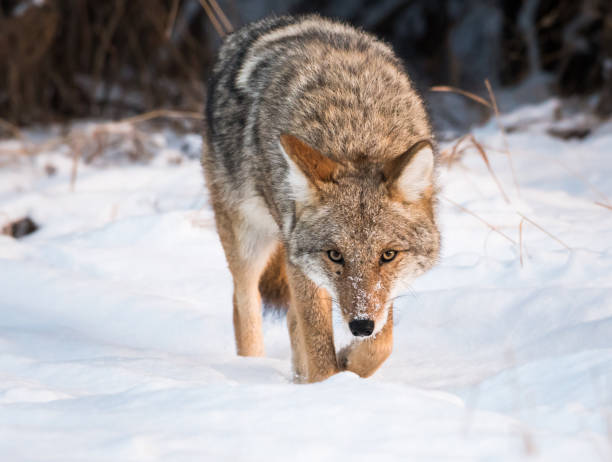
(412, 172)
(314, 166)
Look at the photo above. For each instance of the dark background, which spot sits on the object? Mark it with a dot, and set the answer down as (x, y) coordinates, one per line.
(65, 59)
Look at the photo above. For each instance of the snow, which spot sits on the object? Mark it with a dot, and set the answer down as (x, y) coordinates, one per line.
(116, 338)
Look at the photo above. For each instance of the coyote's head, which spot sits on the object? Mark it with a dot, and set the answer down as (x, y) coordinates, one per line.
(362, 231)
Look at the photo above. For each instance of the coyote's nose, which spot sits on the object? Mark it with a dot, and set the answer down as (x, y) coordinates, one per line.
(361, 327)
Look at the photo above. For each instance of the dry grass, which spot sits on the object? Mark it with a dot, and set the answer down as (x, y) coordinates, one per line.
(485, 158)
(93, 143)
(165, 113)
(492, 105)
(601, 204)
(467, 94)
(226, 23)
(452, 155)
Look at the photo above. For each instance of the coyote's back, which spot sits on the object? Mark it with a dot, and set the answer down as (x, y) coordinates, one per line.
(320, 167)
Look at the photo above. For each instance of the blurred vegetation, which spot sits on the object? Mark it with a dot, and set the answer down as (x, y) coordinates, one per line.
(61, 59)
(83, 58)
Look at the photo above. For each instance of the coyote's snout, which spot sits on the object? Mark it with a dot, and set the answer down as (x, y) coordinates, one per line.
(320, 166)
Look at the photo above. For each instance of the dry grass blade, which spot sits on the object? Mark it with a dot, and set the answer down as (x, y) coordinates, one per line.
(450, 158)
(503, 133)
(162, 113)
(482, 220)
(491, 148)
(213, 19)
(601, 204)
(467, 94)
(552, 236)
(484, 156)
(228, 25)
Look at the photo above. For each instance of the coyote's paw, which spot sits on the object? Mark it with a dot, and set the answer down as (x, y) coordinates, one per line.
(363, 357)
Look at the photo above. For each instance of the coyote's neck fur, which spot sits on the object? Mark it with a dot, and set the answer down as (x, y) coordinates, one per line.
(320, 164)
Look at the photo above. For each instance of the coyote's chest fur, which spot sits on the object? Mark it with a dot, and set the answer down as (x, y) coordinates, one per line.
(320, 167)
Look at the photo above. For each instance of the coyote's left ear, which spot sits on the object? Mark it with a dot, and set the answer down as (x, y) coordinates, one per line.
(411, 173)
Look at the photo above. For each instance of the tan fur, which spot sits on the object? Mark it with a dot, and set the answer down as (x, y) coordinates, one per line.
(311, 329)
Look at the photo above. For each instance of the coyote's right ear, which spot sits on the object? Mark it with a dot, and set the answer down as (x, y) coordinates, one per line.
(412, 172)
(312, 166)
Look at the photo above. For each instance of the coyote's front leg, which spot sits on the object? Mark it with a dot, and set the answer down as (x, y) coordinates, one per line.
(310, 328)
(364, 357)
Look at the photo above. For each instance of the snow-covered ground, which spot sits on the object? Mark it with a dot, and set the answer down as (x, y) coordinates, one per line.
(116, 338)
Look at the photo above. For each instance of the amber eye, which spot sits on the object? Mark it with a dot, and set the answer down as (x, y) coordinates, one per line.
(335, 256)
(387, 256)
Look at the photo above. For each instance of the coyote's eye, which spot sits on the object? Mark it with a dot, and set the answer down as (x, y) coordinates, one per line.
(335, 256)
(387, 256)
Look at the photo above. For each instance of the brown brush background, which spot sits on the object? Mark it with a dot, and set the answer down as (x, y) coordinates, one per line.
(68, 59)
(83, 58)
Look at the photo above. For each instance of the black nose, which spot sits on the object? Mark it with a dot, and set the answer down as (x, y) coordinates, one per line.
(361, 327)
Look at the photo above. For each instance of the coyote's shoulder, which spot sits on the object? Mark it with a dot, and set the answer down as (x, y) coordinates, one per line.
(320, 166)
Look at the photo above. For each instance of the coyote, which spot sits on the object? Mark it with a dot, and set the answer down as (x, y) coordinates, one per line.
(320, 165)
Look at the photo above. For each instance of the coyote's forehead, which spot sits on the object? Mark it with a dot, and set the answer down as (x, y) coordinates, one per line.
(359, 215)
